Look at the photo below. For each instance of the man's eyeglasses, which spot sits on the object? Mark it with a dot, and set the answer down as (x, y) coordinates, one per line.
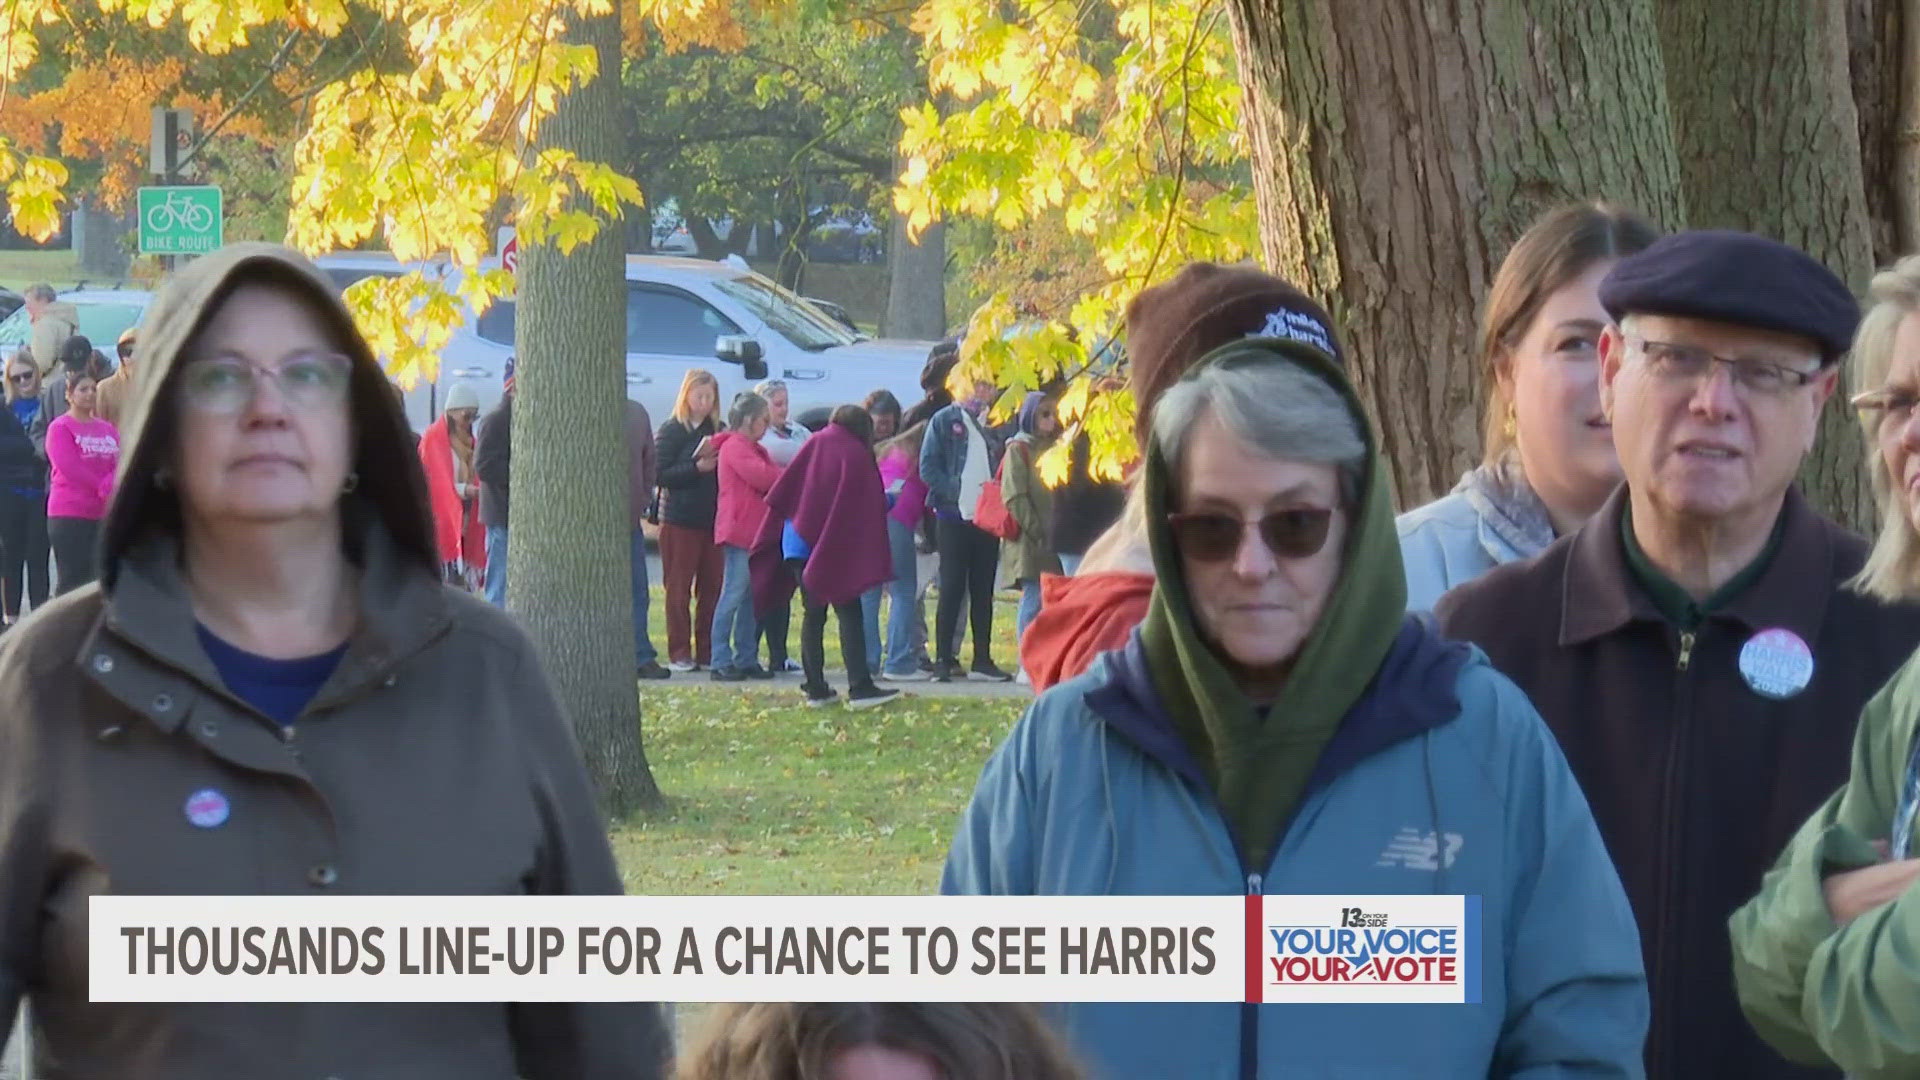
(1289, 534)
(1888, 405)
(1677, 363)
(227, 384)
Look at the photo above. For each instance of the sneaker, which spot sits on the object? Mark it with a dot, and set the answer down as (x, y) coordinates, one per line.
(1023, 678)
(790, 666)
(868, 697)
(755, 671)
(821, 698)
(946, 671)
(905, 676)
(683, 666)
(927, 666)
(985, 671)
(652, 670)
(728, 674)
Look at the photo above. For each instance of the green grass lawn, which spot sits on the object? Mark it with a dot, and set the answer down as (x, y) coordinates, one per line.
(19, 269)
(1005, 607)
(769, 797)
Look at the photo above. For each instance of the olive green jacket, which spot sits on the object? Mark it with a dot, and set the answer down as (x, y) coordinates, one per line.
(1848, 995)
(1031, 503)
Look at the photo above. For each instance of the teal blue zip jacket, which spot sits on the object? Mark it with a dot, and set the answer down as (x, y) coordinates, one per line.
(1441, 779)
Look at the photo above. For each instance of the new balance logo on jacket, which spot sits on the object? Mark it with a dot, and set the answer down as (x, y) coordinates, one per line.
(1417, 850)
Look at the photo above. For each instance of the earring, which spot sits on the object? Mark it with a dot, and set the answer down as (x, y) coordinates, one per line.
(353, 481)
(1507, 426)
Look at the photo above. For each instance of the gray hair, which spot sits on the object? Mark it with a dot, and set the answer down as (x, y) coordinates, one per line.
(748, 406)
(40, 294)
(767, 387)
(1275, 406)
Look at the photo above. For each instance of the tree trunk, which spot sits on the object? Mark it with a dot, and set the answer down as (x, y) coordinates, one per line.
(1769, 141)
(916, 283)
(1874, 68)
(707, 245)
(1906, 178)
(1398, 152)
(569, 576)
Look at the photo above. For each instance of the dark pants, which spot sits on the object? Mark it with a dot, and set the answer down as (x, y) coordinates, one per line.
(773, 630)
(813, 643)
(23, 551)
(969, 559)
(74, 540)
(692, 565)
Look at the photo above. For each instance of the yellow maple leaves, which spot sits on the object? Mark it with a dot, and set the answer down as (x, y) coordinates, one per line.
(1109, 156)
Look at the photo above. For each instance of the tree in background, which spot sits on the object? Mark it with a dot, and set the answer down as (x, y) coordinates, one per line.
(428, 149)
(1398, 149)
(1103, 142)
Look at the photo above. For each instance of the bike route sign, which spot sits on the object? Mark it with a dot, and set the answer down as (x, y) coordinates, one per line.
(180, 220)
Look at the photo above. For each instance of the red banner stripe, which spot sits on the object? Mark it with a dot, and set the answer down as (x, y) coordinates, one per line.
(1255, 928)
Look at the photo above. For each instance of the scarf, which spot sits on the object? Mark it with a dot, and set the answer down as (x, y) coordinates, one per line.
(1260, 759)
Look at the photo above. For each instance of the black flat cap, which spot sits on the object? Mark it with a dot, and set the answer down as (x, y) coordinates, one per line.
(1738, 278)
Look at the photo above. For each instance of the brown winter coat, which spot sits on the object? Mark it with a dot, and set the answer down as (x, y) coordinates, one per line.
(1697, 782)
(434, 761)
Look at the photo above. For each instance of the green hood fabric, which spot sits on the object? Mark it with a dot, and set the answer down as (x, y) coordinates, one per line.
(1259, 764)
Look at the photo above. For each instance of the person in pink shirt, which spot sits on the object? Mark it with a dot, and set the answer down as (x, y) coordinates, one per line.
(83, 451)
(747, 472)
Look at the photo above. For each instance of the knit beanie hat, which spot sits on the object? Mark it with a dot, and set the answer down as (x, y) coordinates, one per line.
(1173, 324)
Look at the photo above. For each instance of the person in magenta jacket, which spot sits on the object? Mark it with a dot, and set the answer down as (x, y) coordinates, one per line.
(746, 473)
(83, 451)
(906, 637)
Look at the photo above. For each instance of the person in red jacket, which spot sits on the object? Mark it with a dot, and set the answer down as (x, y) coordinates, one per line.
(747, 472)
(453, 489)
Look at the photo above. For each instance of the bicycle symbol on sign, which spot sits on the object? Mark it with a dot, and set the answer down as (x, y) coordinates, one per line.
(179, 211)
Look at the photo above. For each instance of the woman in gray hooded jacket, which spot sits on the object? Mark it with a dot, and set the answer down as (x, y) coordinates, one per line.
(1549, 460)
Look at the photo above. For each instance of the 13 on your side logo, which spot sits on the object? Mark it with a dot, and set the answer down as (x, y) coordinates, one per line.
(1405, 949)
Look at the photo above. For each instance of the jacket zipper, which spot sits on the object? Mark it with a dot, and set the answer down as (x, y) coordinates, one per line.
(1673, 839)
(1250, 1012)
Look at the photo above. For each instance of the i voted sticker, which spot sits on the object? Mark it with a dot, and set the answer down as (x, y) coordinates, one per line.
(1776, 663)
(208, 809)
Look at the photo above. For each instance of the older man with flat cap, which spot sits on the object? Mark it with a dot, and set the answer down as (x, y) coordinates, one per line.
(1692, 645)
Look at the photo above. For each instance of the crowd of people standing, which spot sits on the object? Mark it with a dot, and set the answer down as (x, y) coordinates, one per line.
(1624, 683)
(59, 448)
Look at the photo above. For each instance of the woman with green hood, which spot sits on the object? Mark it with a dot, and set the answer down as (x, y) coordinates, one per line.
(270, 692)
(1279, 725)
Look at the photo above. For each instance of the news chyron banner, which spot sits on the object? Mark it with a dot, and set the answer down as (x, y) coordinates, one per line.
(1275, 949)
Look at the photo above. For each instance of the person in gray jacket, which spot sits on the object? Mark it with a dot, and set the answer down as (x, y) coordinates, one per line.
(1549, 460)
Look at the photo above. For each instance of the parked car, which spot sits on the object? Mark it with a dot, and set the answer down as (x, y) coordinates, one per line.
(688, 313)
(10, 302)
(105, 314)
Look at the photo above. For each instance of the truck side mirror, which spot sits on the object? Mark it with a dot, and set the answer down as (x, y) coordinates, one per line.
(742, 350)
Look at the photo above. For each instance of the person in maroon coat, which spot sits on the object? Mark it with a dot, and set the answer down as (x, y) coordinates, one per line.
(826, 527)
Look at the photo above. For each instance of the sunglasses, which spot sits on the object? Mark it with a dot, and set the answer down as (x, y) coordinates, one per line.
(24, 376)
(1289, 534)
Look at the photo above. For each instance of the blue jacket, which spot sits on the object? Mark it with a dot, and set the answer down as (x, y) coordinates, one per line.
(1441, 780)
(1491, 517)
(943, 454)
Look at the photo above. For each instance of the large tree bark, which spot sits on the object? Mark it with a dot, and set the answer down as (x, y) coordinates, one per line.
(916, 283)
(1399, 150)
(1768, 138)
(1875, 68)
(569, 576)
